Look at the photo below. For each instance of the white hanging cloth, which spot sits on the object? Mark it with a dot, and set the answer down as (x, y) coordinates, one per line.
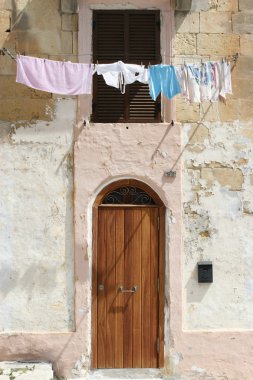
(119, 74)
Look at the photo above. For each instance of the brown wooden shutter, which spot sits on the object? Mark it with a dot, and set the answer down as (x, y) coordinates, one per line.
(132, 37)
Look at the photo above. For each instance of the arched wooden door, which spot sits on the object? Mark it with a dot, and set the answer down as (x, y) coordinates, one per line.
(128, 277)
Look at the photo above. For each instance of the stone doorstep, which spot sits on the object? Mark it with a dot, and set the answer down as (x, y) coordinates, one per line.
(133, 374)
(26, 371)
(100, 377)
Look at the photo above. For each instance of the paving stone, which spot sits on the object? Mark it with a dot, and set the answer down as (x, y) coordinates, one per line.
(26, 371)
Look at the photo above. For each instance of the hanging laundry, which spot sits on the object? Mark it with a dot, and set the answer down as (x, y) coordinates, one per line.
(119, 74)
(189, 79)
(163, 78)
(209, 81)
(205, 81)
(64, 78)
(225, 80)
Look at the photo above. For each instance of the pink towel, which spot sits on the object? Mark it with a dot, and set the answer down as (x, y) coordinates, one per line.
(65, 78)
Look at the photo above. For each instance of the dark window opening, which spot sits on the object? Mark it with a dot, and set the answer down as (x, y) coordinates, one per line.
(132, 37)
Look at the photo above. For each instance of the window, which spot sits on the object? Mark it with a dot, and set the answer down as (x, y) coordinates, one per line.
(132, 37)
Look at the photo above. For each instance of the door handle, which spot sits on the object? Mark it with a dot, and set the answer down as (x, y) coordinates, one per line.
(132, 290)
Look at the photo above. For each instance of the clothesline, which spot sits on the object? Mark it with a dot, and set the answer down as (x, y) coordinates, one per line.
(210, 81)
(231, 58)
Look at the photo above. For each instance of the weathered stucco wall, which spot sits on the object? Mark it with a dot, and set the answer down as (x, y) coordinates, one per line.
(217, 181)
(213, 143)
(36, 218)
(36, 176)
(218, 225)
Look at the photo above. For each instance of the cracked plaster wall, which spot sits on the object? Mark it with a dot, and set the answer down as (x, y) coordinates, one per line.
(36, 175)
(218, 225)
(36, 224)
(217, 175)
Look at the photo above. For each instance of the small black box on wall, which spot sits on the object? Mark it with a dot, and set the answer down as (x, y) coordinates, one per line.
(205, 271)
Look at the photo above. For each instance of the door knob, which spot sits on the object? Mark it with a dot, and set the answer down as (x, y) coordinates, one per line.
(101, 287)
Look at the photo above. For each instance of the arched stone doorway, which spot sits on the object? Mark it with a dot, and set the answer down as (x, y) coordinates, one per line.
(128, 277)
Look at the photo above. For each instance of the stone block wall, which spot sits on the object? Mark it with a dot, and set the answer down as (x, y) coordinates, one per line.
(211, 30)
(36, 175)
(217, 179)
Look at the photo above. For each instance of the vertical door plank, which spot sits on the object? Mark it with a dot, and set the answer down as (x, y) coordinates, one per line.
(145, 242)
(153, 287)
(162, 284)
(128, 313)
(94, 334)
(136, 252)
(101, 278)
(119, 312)
(111, 288)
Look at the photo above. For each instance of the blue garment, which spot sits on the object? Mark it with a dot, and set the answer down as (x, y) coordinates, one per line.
(163, 78)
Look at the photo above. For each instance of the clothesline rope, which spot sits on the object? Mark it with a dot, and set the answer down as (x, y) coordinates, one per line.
(232, 58)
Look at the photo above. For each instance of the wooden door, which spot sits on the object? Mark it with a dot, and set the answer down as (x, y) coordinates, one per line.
(127, 294)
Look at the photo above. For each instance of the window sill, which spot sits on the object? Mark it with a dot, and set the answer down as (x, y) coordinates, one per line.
(129, 125)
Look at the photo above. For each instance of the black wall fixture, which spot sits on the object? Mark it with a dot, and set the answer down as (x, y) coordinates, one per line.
(205, 271)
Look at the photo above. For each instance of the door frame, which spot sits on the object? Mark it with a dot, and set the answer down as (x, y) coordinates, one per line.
(161, 264)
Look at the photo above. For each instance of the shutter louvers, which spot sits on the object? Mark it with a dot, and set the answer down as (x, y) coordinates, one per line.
(141, 107)
(132, 37)
(110, 103)
(143, 38)
(108, 37)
